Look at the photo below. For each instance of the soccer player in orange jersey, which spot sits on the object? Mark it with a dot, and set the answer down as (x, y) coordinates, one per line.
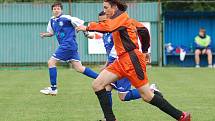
(130, 63)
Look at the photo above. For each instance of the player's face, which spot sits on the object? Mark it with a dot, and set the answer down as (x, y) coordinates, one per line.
(108, 9)
(202, 33)
(56, 11)
(102, 18)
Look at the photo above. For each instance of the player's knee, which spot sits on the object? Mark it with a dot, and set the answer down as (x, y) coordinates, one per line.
(79, 69)
(197, 52)
(147, 98)
(51, 63)
(108, 88)
(97, 86)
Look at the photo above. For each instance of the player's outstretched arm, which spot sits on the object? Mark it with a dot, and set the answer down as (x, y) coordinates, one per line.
(46, 34)
(109, 25)
(81, 28)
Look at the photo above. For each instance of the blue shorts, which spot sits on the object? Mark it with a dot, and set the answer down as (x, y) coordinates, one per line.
(66, 55)
(122, 85)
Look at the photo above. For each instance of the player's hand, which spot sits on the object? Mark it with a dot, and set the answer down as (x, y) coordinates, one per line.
(90, 36)
(46, 34)
(42, 34)
(147, 58)
(81, 28)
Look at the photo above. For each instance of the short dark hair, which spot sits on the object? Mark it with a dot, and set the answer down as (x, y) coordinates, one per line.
(102, 13)
(57, 4)
(202, 29)
(121, 4)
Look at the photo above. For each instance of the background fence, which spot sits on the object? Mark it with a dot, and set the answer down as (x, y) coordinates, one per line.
(20, 25)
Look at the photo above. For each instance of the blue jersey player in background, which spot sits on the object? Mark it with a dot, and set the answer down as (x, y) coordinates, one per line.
(63, 27)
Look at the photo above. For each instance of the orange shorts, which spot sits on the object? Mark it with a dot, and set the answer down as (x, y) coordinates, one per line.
(131, 65)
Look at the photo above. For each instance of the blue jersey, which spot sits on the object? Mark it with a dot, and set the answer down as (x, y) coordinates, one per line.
(63, 27)
(109, 47)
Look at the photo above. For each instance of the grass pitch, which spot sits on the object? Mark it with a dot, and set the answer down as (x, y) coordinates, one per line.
(188, 89)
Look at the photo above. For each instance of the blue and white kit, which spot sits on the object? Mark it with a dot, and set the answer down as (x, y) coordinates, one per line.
(63, 27)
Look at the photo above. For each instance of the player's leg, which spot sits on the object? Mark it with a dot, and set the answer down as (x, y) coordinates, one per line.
(76, 64)
(125, 93)
(60, 55)
(161, 103)
(53, 78)
(109, 93)
(53, 73)
(197, 57)
(133, 94)
(99, 84)
(209, 54)
(84, 70)
(138, 78)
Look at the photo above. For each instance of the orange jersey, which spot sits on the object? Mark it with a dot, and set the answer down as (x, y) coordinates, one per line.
(131, 62)
(137, 24)
(124, 32)
(143, 35)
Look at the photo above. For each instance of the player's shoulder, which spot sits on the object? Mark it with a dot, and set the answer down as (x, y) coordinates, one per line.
(66, 16)
(52, 17)
(76, 19)
(70, 17)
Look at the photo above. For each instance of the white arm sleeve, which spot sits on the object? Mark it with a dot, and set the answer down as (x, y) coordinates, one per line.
(49, 28)
(76, 21)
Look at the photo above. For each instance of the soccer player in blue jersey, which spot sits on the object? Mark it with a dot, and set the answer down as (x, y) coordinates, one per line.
(63, 27)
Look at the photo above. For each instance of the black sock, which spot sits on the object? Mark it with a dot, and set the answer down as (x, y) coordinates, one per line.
(105, 105)
(163, 105)
(158, 93)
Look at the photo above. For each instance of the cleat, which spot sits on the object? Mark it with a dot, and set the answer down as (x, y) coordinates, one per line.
(210, 66)
(185, 117)
(49, 91)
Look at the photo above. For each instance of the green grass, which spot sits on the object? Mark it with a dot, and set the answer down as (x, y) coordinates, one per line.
(188, 89)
